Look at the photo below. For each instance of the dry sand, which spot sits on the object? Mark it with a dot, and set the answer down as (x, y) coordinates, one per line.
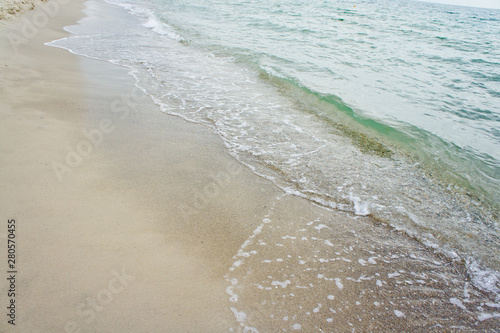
(12, 8)
(107, 215)
(155, 228)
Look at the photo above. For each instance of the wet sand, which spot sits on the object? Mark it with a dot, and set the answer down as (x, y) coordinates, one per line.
(131, 220)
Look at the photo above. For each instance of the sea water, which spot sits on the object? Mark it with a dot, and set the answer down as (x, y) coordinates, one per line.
(385, 108)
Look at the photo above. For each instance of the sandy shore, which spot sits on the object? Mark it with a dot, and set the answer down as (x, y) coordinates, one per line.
(130, 220)
(107, 216)
(12, 8)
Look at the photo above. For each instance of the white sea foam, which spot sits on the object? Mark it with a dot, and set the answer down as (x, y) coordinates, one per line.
(457, 302)
(240, 316)
(283, 284)
(360, 208)
(484, 278)
(339, 284)
(486, 316)
(399, 314)
(162, 28)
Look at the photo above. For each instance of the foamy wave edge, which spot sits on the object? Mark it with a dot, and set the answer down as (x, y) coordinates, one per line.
(153, 21)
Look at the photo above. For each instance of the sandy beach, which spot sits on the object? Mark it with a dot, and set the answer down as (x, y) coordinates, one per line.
(131, 220)
(11, 8)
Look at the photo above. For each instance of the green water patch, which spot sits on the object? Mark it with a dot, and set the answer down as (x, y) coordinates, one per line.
(338, 116)
(448, 164)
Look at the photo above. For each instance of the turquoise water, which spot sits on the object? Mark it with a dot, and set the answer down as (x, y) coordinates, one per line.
(382, 108)
(429, 71)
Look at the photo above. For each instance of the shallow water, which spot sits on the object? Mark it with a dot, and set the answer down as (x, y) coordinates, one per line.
(429, 72)
(322, 100)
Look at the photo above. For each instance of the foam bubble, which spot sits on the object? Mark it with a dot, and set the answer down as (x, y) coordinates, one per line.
(339, 283)
(399, 314)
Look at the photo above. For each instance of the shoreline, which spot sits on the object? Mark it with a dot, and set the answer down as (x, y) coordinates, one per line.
(133, 220)
(90, 247)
